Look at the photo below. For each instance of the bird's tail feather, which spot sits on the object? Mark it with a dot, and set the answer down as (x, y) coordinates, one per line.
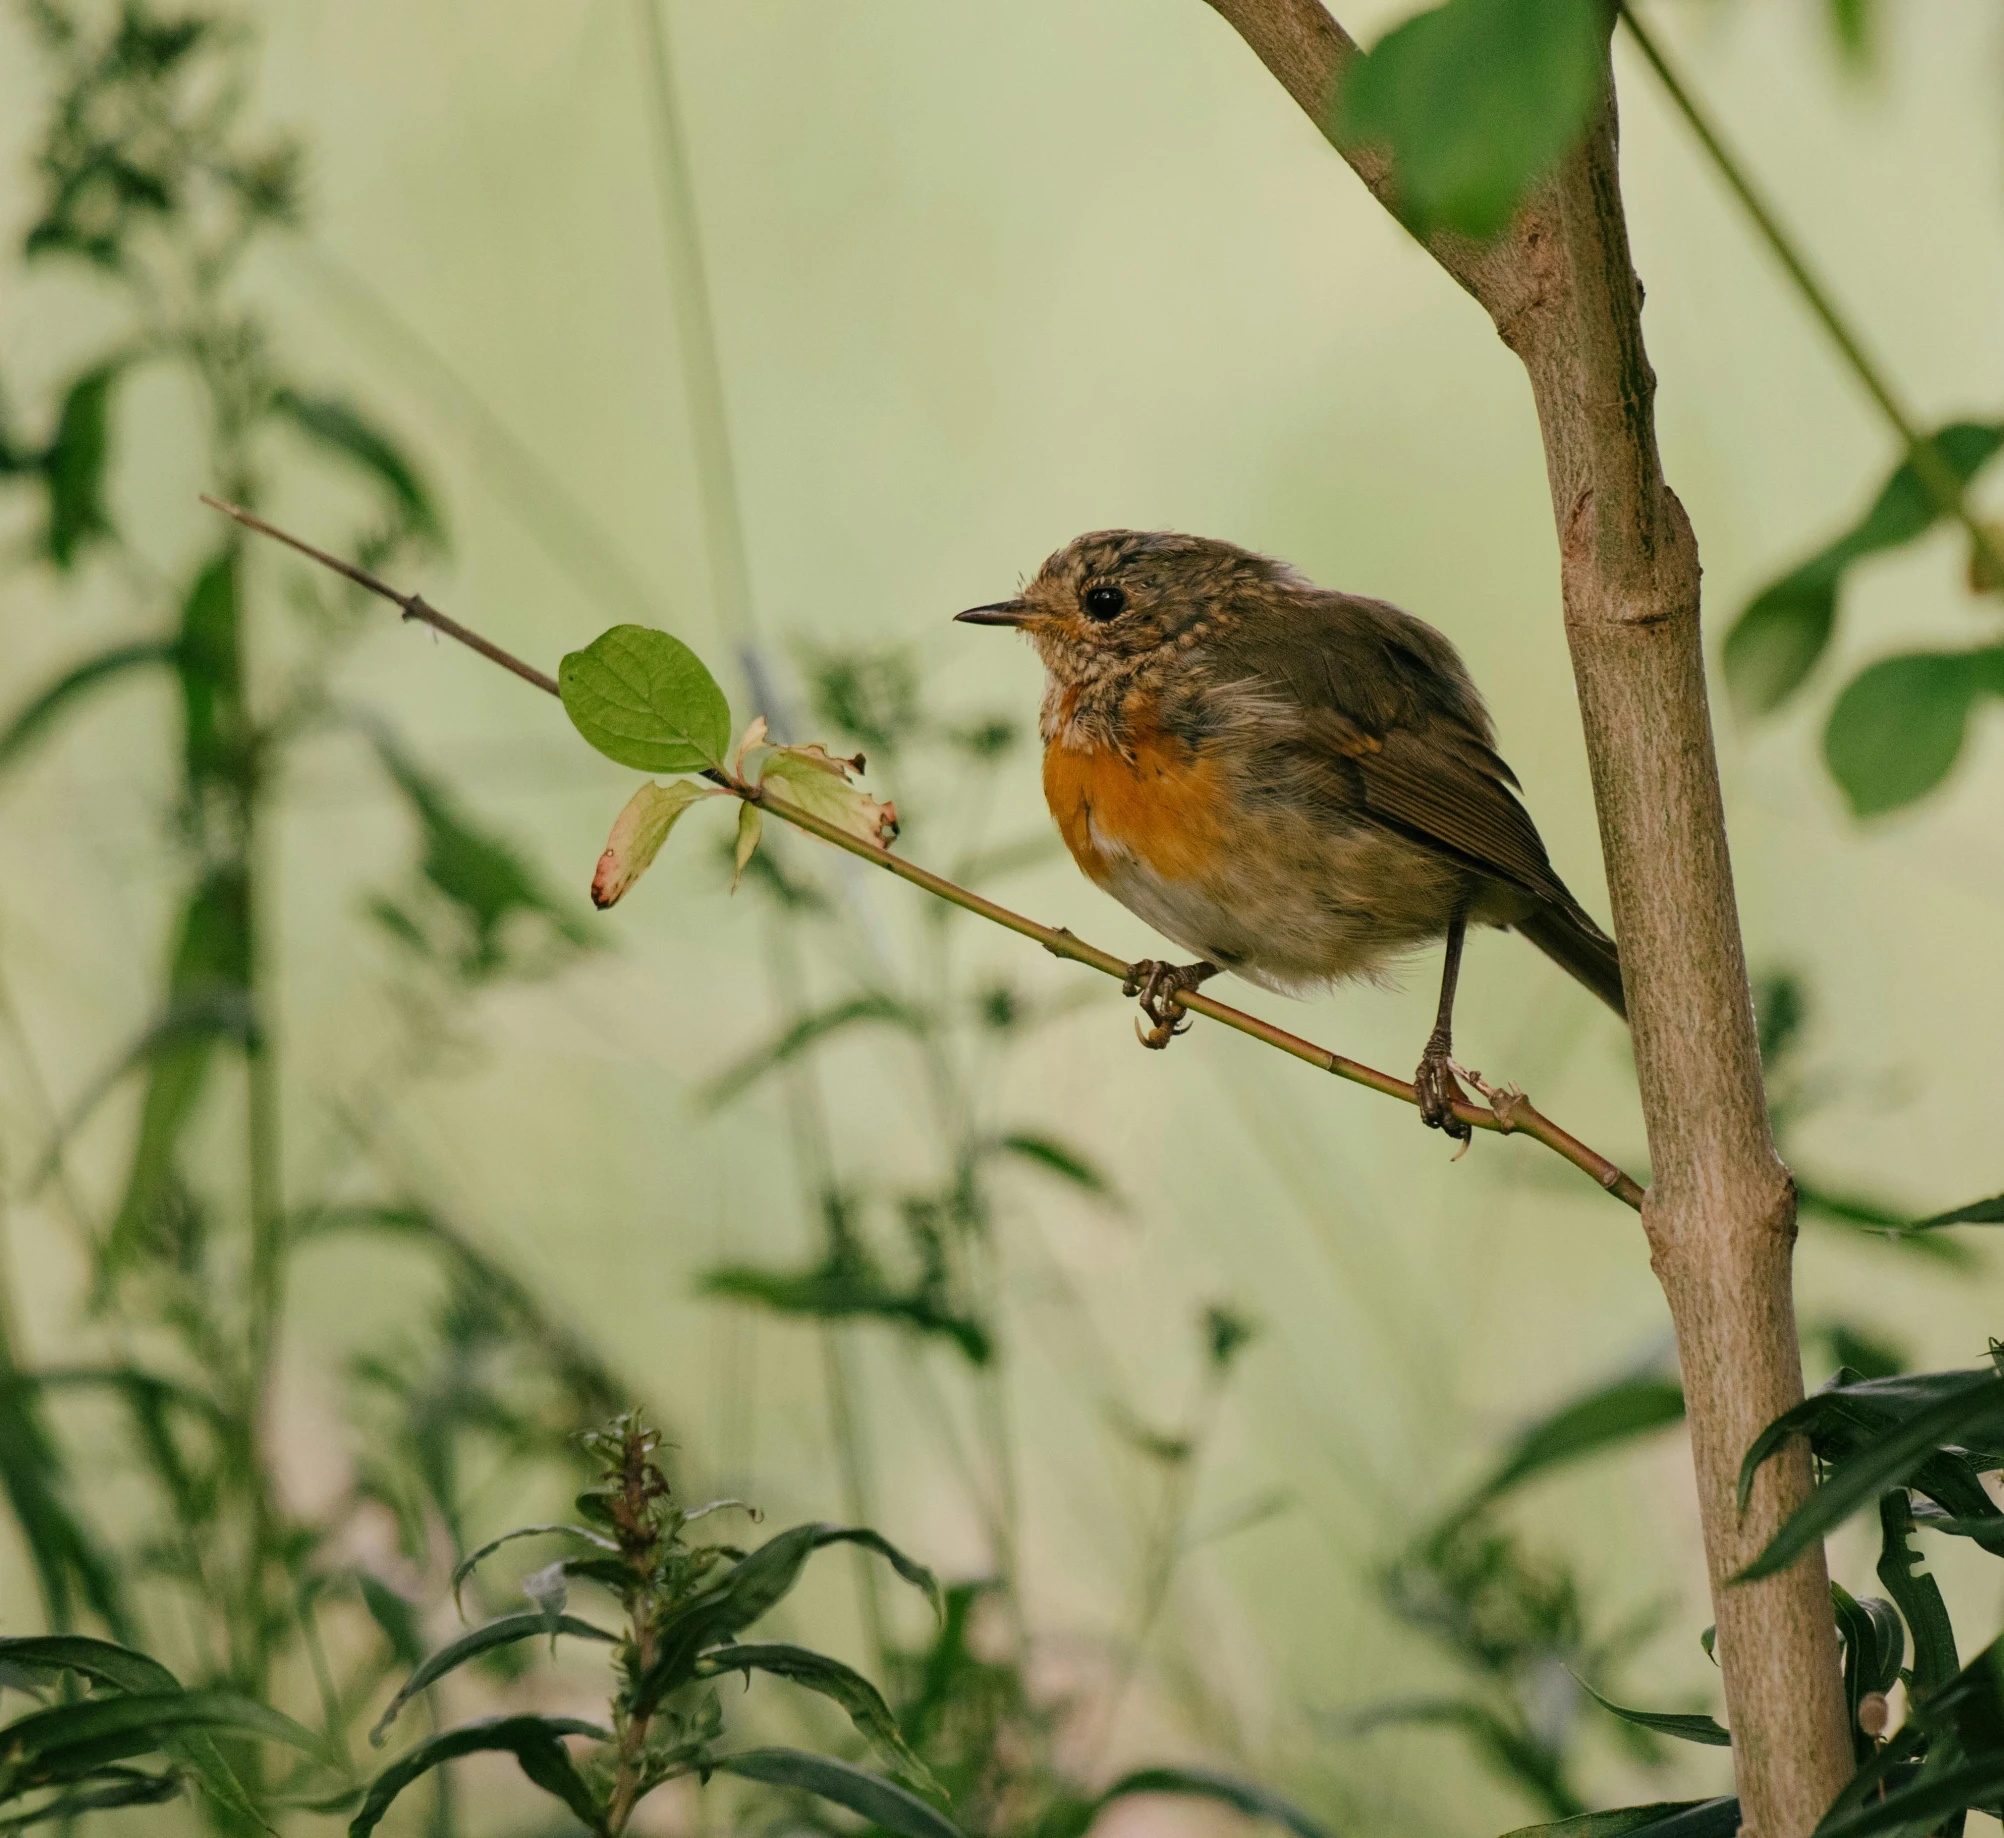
(1579, 947)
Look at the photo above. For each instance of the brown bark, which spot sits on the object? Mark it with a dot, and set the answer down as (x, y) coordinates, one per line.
(1721, 1216)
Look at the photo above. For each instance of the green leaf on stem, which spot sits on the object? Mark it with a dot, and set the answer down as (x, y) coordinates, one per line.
(1614, 1413)
(67, 1742)
(533, 1741)
(1884, 1448)
(1686, 1726)
(833, 1680)
(638, 833)
(1916, 1593)
(1898, 727)
(1977, 1212)
(750, 823)
(884, 1803)
(1476, 102)
(645, 699)
(1786, 628)
(474, 1559)
(1663, 1819)
(471, 1644)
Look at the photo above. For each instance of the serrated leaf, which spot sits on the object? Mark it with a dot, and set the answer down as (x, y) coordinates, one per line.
(645, 699)
(1897, 729)
(1686, 1726)
(1207, 1784)
(343, 429)
(533, 1741)
(883, 1802)
(819, 784)
(833, 1680)
(483, 1639)
(1476, 102)
(638, 833)
(40, 713)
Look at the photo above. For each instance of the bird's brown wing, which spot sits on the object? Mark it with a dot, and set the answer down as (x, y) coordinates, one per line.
(1386, 724)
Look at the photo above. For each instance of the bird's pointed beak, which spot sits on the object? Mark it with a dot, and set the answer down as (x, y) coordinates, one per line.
(1002, 612)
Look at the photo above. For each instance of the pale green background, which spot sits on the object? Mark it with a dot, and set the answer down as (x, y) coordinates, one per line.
(986, 276)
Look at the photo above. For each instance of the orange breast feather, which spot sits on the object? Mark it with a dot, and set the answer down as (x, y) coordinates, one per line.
(1163, 806)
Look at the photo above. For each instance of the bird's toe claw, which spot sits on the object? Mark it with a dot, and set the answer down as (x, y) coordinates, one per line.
(1158, 985)
(1438, 1092)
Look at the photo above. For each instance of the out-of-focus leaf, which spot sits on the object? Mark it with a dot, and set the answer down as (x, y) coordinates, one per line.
(485, 884)
(1898, 727)
(68, 1561)
(1874, 1219)
(474, 1642)
(1785, 629)
(1511, 1751)
(819, 783)
(1923, 1803)
(1476, 102)
(1206, 1784)
(645, 699)
(1977, 1212)
(1663, 1819)
(75, 466)
(1968, 1410)
(1851, 25)
(533, 1741)
(809, 1031)
(208, 984)
(884, 1803)
(42, 711)
(208, 657)
(1686, 1726)
(849, 1289)
(396, 1618)
(872, 695)
(1615, 1413)
(833, 1680)
(342, 429)
(1054, 1157)
(638, 833)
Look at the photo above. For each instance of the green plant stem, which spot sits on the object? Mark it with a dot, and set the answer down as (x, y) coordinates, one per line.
(1934, 472)
(1509, 1112)
(696, 334)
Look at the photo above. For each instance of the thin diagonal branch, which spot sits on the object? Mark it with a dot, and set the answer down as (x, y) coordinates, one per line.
(1936, 475)
(1513, 1113)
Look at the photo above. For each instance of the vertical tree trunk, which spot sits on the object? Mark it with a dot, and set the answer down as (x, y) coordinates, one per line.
(1720, 1218)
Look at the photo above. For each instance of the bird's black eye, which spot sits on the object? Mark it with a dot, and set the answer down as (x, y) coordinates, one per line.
(1104, 602)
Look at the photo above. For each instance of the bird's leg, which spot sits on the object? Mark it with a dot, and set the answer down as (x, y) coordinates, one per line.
(1435, 1081)
(1157, 984)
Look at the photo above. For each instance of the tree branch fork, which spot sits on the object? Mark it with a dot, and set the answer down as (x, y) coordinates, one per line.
(1506, 1111)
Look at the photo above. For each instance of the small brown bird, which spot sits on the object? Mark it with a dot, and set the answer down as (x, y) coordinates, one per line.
(1300, 786)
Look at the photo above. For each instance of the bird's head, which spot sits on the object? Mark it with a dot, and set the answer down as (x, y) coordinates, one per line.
(1114, 598)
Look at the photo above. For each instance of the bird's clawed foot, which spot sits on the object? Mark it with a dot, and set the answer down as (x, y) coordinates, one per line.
(1158, 984)
(1438, 1091)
